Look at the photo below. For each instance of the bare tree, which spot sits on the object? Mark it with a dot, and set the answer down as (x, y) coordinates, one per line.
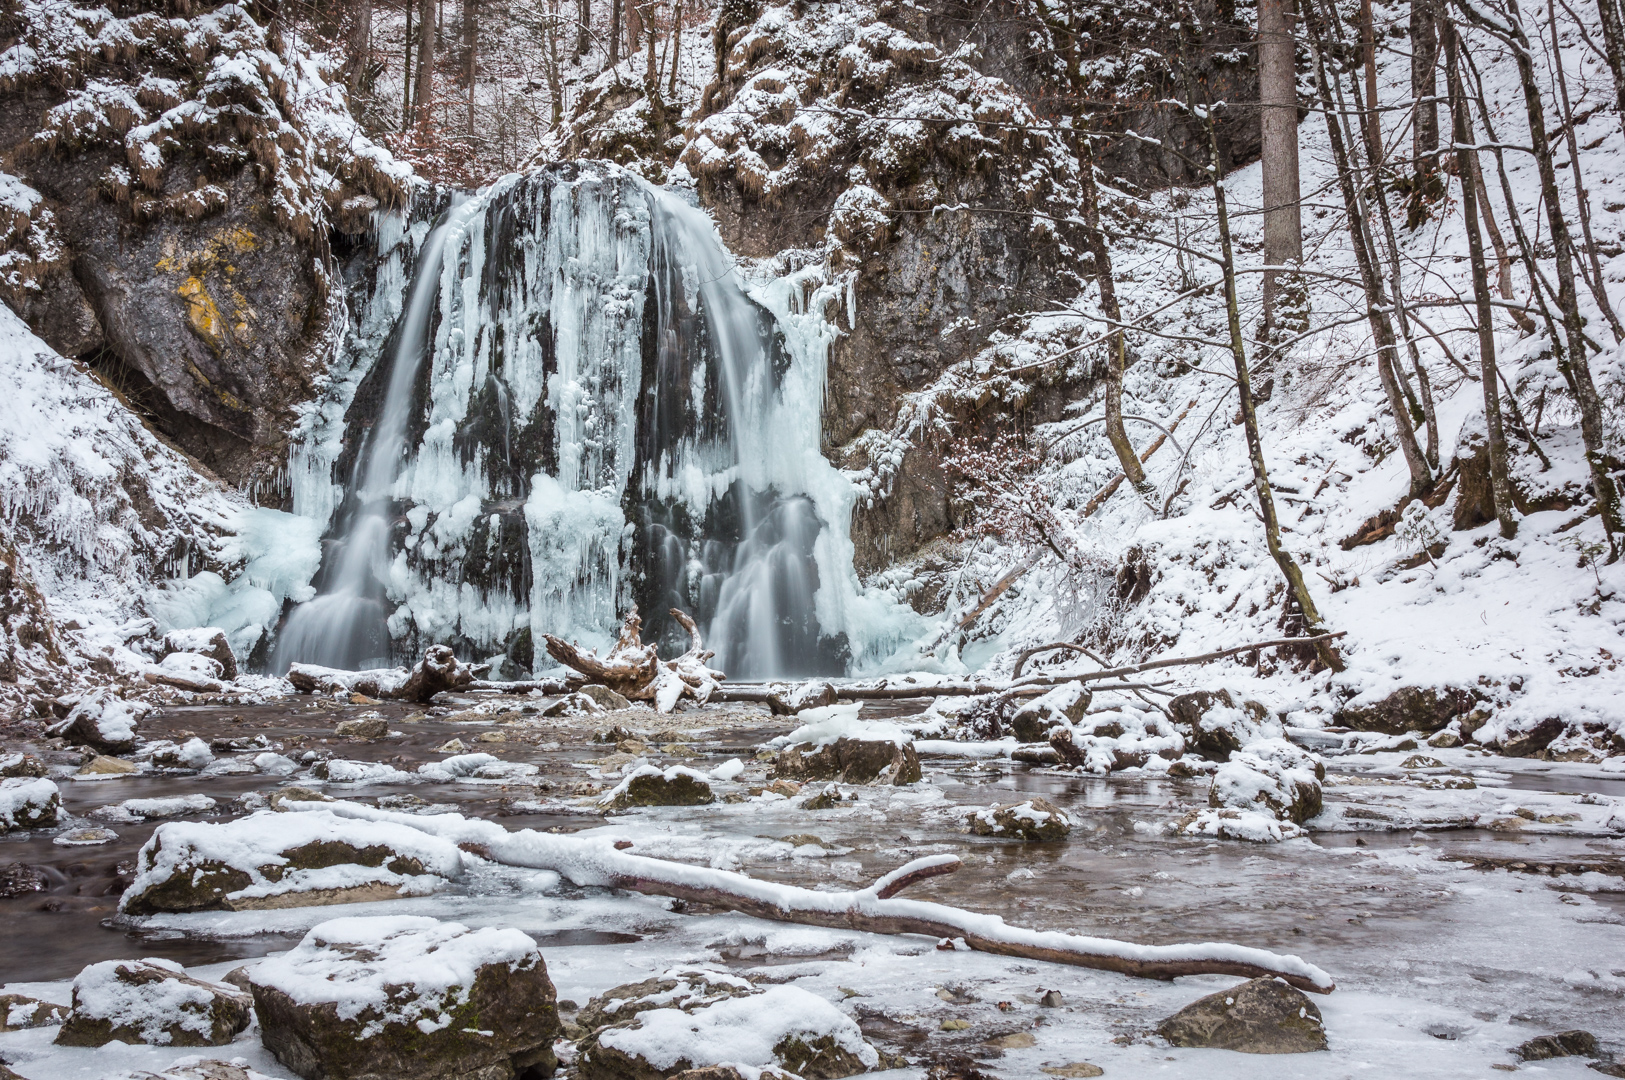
(423, 93)
(1424, 94)
(1278, 124)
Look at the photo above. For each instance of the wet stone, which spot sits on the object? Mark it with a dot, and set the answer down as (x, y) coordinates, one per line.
(850, 761)
(1036, 820)
(1264, 1016)
(1573, 1043)
(362, 727)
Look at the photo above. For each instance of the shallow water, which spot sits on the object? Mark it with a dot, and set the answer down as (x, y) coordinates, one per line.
(1381, 911)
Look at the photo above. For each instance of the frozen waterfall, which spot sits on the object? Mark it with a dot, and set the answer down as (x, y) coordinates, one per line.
(583, 405)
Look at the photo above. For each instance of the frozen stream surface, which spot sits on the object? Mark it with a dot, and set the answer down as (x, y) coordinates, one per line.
(1441, 965)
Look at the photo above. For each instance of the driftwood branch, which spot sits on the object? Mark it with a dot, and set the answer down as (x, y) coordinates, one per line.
(636, 672)
(1028, 654)
(1180, 661)
(588, 862)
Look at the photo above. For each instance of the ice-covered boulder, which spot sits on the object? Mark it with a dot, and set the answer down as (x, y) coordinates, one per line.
(134, 810)
(408, 998)
(1272, 776)
(277, 860)
(784, 1027)
(102, 721)
(475, 767)
(1064, 704)
(151, 1001)
(188, 671)
(28, 803)
(1216, 726)
(650, 786)
(1264, 1016)
(1035, 820)
(207, 641)
(833, 744)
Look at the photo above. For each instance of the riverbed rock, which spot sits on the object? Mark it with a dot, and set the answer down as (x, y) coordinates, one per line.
(604, 697)
(151, 1001)
(649, 786)
(102, 721)
(1273, 776)
(1533, 740)
(686, 988)
(438, 671)
(28, 803)
(1575, 1043)
(1410, 708)
(301, 858)
(409, 998)
(1065, 704)
(362, 727)
(207, 641)
(783, 1026)
(1036, 820)
(19, 1011)
(193, 754)
(850, 761)
(106, 765)
(20, 879)
(1216, 726)
(16, 766)
(1264, 1016)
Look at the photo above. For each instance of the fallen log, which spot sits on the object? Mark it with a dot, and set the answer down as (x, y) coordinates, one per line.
(636, 672)
(524, 686)
(438, 671)
(588, 862)
(777, 699)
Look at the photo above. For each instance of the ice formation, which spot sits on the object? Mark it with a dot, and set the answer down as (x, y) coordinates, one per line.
(582, 405)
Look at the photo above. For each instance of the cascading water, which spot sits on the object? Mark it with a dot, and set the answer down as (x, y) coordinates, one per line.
(586, 408)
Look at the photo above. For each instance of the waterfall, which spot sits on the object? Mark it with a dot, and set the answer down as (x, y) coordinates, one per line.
(584, 405)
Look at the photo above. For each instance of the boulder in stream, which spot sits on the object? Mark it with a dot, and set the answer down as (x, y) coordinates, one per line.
(1036, 820)
(18, 1011)
(207, 641)
(1272, 776)
(1575, 1043)
(1410, 708)
(1065, 704)
(784, 1027)
(295, 858)
(1264, 1016)
(102, 721)
(408, 998)
(28, 803)
(649, 786)
(151, 1001)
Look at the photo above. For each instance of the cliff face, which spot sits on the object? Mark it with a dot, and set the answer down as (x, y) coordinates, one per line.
(917, 152)
(176, 181)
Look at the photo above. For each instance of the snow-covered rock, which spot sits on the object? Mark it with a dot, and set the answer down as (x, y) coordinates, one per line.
(207, 641)
(103, 721)
(19, 1011)
(1124, 739)
(187, 671)
(133, 810)
(650, 786)
(682, 988)
(18, 765)
(151, 1001)
(1272, 776)
(784, 1027)
(275, 860)
(408, 997)
(193, 754)
(833, 744)
(475, 767)
(28, 803)
(1065, 704)
(1034, 820)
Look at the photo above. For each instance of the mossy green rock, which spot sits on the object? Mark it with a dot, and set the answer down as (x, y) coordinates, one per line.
(655, 789)
(208, 885)
(850, 761)
(1264, 1016)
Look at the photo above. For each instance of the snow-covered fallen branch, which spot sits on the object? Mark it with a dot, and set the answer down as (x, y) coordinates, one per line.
(592, 862)
(633, 669)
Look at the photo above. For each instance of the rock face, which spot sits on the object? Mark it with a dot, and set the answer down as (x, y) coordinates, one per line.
(290, 859)
(151, 1001)
(1574, 1043)
(850, 761)
(102, 721)
(783, 1026)
(1409, 708)
(408, 998)
(649, 786)
(1034, 821)
(28, 803)
(1264, 1016)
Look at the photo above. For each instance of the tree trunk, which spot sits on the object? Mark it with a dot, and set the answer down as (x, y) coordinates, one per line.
(583, 28)
(1368, 53)
(554, 90)
(1299, 589)
(1594, 280)
(1278, 125)
(406, 72)
(1116, 345)
(1574, 358)
(1503, 262)
(634, 27)
(1424, 91)
(1613, 36)
(1500, 482)
(471, 44)
(1377, 305)
(676, 49)
(423, 94)
(358, 46)
(614, 32)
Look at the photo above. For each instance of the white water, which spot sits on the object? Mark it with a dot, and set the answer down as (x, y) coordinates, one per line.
(537, 291)
(345, 626)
